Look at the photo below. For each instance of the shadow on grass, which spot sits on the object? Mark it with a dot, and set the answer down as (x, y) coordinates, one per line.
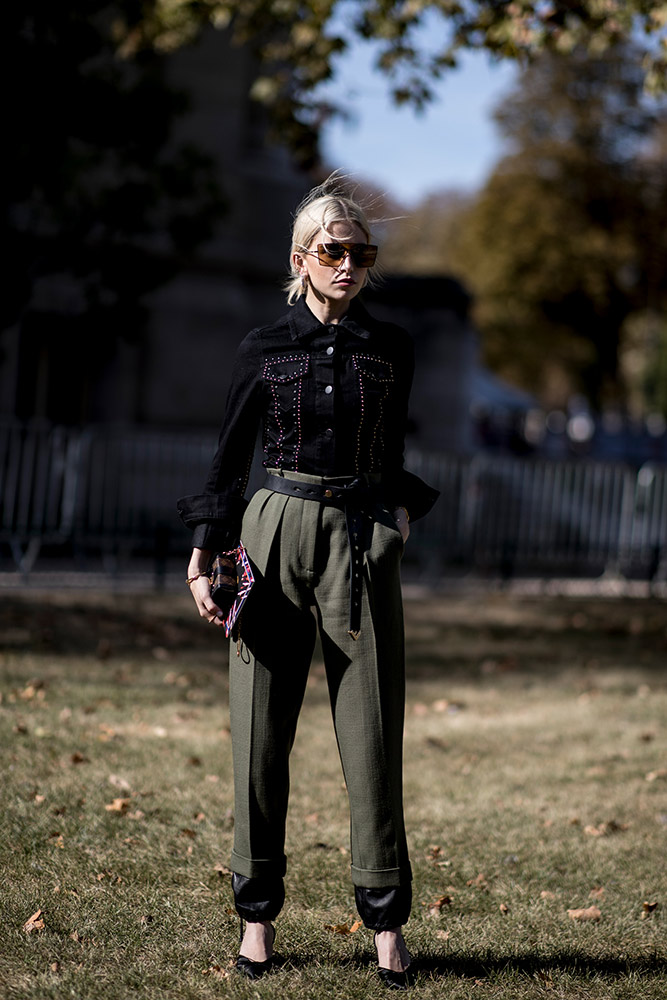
(486, 965)
(445, 636)
(483, 966)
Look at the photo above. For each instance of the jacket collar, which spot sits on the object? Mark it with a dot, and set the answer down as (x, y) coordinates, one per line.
(303, 323)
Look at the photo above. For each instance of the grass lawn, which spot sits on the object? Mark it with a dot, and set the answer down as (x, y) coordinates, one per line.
(536, 799)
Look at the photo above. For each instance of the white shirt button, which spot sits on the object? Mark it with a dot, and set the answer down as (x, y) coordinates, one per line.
(329, 390)
(329, 350)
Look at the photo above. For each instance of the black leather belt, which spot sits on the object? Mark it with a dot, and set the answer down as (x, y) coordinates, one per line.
(357, 498)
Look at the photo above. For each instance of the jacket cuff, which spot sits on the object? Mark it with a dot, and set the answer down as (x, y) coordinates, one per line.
(214, 539)
(215, 519)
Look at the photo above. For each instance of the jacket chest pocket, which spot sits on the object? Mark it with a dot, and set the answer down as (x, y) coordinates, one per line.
(375, 381)
(376, 374)
(283, 376)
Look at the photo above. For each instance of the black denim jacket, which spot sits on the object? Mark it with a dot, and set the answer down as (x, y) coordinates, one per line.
(331, 401)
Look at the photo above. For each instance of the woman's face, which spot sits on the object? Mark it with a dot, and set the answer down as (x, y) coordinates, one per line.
(339, 283)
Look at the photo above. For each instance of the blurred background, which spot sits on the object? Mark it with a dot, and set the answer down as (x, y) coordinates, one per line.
(514, 157)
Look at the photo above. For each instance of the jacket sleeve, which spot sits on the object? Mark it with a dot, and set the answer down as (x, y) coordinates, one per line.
(403, 488)
(216, 514)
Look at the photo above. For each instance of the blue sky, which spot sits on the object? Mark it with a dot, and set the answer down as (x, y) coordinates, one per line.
(453, 144)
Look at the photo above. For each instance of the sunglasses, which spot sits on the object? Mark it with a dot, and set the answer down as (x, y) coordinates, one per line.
(332, 254)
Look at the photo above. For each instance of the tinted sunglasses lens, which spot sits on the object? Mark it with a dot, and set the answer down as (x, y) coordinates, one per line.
(331, 253)
(363, 254)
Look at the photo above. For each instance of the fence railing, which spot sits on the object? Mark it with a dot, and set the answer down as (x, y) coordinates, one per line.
(112, 492)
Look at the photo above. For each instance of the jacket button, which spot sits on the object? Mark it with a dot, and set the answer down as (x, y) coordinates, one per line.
(329, 390)
(329, 351)
(328, 494)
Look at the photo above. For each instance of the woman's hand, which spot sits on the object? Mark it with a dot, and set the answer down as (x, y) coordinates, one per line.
(200, 588)
(402, 522)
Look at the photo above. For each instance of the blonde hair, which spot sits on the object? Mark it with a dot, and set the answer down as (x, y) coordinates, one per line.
(325, 204)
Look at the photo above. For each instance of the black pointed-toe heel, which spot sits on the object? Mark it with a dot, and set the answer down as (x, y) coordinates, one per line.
(393, 980)
(254, 970)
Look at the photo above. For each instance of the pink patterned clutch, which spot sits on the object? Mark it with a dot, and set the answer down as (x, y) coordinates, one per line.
(231, 581)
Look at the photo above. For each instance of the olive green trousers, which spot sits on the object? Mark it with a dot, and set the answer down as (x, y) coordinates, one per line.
(299, 551)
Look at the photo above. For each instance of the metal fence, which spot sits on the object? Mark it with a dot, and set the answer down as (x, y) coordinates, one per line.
(112, 492)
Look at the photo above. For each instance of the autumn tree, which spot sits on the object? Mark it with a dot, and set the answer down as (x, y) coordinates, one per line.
(296, 43)
(567, 240)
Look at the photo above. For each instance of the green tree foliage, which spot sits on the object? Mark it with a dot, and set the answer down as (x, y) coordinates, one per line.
(565, 241)
(100, 201)
(296, 42)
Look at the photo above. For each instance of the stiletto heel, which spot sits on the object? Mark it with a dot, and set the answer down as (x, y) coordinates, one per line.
(392, 980)
(250, 969)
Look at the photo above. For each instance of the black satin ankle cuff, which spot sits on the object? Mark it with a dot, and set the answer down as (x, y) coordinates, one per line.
(383, 909)
(258, 898)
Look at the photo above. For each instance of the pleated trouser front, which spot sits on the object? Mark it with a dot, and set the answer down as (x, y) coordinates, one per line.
(299, 550)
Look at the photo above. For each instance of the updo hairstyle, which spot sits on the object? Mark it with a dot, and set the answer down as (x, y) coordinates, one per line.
(325, 204)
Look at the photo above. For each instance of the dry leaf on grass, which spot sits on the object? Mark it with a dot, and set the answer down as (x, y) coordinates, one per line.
(547, 894)
(655, 775)
(585, 913)
(648, 909)
(479, 882)
(222, 869)
(217, 971)
(434, 908)
(504, 908)
(119, 806)
(344, 928)
(605, 829)
(79, 758)
(120, 783)
(597, 893)
(35, 689)
(35, 922)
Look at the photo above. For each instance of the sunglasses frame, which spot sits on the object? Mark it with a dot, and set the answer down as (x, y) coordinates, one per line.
(355, 250)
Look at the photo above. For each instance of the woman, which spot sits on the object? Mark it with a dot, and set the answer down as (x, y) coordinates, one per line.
(329, 387)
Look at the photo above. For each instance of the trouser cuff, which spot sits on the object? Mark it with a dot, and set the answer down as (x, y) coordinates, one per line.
(258, 898)
(383, 909)
(264, 868)
(381, 878)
